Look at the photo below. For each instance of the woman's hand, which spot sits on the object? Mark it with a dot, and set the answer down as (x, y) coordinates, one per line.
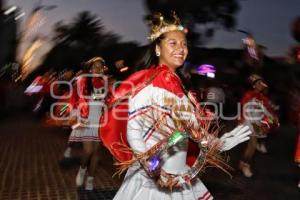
(168, 180)
(83, 123)
(236, 136)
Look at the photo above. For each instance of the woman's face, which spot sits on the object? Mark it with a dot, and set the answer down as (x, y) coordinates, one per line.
(172, 49)
(260, 86)
(98, 68)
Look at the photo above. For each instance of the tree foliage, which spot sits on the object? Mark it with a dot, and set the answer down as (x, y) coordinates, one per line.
(82, 39)
(201, 17)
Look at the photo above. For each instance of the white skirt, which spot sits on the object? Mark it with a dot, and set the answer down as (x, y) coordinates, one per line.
(89, 133)
(137, 185)
(84, 135)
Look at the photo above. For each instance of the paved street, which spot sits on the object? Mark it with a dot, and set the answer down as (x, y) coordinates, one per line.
(31, 167)
(275, 174)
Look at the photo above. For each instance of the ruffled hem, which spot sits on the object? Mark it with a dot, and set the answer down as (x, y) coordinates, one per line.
(84, 135)
(137, 185)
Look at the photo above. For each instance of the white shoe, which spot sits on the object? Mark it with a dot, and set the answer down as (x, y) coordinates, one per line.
(261, 148)
(67, 153)
(80, 176)
(89, 184)
(245, 168)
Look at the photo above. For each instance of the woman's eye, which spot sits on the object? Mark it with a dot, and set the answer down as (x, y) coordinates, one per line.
(172, 43)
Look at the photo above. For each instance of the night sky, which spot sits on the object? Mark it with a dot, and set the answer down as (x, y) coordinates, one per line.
(268, 21)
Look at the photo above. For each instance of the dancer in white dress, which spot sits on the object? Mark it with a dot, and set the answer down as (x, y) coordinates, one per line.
(90, 104)
(161, 96)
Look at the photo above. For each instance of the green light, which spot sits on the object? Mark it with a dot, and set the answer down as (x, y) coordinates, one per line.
(271, 120)
(176, 137)
(63, 109)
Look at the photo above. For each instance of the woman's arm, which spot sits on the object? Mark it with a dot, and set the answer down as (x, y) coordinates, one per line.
(134, 135)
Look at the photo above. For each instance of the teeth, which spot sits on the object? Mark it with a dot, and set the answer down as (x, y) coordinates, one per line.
(179, 56)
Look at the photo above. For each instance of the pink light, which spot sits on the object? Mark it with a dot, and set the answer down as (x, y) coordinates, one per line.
(33, 89)
(205, 69)
(123, 69)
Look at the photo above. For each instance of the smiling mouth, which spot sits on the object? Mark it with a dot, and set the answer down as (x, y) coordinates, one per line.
(178, 56)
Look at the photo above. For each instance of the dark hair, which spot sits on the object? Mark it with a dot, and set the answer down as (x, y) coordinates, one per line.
(88, 67)
(148, 58)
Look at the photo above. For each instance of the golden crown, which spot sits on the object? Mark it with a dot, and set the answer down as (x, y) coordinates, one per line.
(159, 25)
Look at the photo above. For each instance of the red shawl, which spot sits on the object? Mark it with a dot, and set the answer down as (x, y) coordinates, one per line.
(113, 131)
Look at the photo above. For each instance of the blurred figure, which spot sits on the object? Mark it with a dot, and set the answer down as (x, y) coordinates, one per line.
(40, 87)
(73, 100)
(89, 110)
(297, 155)
(259, 115)
(63, 110)
(294, 117)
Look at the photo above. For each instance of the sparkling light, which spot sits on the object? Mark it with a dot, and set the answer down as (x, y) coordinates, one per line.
(154, 163)
(19, 16)
(10, 10)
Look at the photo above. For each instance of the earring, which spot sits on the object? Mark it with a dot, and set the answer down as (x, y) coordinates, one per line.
(157, 53)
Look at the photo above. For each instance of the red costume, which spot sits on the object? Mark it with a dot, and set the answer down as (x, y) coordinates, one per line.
(259, 125)
(115, 139)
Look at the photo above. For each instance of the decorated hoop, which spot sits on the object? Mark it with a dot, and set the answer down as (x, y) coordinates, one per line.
(152, 165)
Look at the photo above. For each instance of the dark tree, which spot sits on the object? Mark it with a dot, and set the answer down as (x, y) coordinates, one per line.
(82, 39)
(201, 17)
(84, 31)
(78, 41)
